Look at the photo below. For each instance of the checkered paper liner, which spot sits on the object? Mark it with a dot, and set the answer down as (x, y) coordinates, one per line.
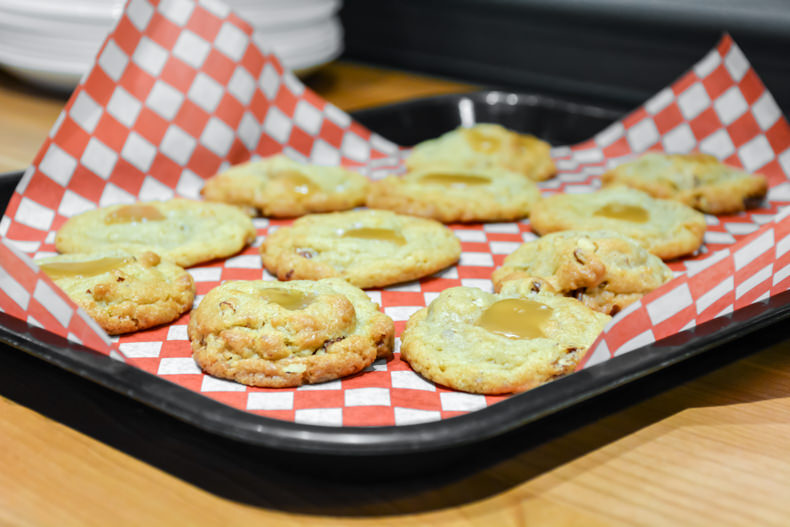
(182, 89)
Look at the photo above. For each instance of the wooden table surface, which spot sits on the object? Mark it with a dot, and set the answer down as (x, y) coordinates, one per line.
(713, 450)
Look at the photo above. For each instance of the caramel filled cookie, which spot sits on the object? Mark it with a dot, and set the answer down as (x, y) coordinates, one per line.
(123, 291)
(697, 180)
(605, 270)
(281, 334)
(280, 187)
(368, 248)
(184, 231)
(451, 194)
(486, 146)
(666, 228)
(478, 342)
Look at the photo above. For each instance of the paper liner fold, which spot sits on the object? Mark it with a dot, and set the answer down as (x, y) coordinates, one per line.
(183, 89)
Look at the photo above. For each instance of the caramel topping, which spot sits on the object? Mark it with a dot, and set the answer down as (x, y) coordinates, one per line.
(290, 299)
(133, 213)
(375, 233)
(295, 181)
(84, 268)
(481, 141)
(526, 141)
(625, 212)
(455, 180)
(515, 318)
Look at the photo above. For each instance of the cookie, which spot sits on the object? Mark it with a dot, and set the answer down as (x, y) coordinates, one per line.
(666, 228)
(368, 248)
(453, 195)
(280, 187)
(184, 231)
(603, 269)
(123, 291)
(697, 180)
(479, 342)
(486, 145)
(281, 334)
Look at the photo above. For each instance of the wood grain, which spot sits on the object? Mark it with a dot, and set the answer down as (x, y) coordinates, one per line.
(714, 450)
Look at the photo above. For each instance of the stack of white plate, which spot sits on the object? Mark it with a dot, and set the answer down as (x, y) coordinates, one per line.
(54, 42)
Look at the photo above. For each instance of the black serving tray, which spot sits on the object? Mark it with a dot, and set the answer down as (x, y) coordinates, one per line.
(558, 121)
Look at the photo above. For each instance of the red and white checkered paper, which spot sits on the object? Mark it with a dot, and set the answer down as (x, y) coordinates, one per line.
(182, 89)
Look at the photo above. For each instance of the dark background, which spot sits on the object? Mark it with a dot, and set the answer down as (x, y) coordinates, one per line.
(612, 52)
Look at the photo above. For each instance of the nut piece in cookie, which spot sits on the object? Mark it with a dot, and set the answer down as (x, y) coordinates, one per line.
(281, 334)
(185, 231)
(478, 342)
(280, 187)
(666, 228)
(451, 194)
(123, 291)
(487, 145)
(368, 248)
(605, 270)
(698, 180)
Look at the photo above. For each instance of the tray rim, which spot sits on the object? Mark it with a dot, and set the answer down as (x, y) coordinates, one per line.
(476, 426)
(497, 96)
